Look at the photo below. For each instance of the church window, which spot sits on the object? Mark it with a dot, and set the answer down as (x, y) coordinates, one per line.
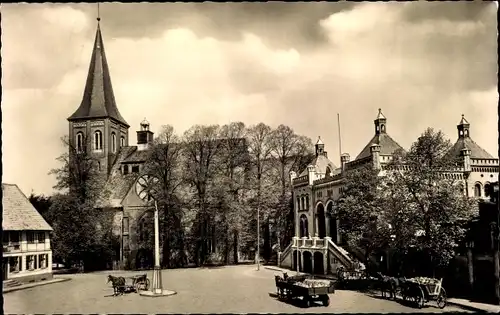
(113, 142)
(122, 141)
(487, 190)
(79, 142)
(98, 140)
(477, 190)
(125, 225)
(98, 166)
(307, 202)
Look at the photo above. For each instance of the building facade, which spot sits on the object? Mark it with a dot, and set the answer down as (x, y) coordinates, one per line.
(27, 255)
(318, 244)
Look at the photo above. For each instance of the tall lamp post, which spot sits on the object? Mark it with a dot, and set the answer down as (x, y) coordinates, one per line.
(147, 191)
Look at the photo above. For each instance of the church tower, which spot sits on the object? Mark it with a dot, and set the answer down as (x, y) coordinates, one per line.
(97, 126)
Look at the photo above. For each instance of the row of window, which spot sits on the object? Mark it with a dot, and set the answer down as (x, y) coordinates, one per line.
(30, 262)
(478, 190)
(303, 202)
(14, 237)
(97, 141)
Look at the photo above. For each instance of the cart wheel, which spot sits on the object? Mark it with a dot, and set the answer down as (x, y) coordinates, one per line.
(326, 300)
(419, 298)
(441, 299)
(146, 285)
(307, 302)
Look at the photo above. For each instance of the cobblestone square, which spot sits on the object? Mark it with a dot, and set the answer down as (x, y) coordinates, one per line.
(235, 289)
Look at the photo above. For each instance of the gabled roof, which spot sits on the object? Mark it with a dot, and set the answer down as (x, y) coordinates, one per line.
(476, 152)
(98, 97)
(118, 185)
(18, 212)
(387, 146)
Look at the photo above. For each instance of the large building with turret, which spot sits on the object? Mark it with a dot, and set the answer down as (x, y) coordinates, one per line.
(317, 245)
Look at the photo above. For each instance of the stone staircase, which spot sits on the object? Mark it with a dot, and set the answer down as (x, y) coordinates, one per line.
(11, 283)
(326, 245)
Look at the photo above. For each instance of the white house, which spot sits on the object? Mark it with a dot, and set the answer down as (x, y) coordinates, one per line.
(27, 256)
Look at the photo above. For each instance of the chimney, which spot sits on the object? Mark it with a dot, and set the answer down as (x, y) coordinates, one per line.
(344, 159)
(375, 152)
(144, 136)
(311, 173)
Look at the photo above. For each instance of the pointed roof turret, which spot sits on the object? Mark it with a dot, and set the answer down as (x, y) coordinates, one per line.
(98, 98)
(381, 138)
(464, 141)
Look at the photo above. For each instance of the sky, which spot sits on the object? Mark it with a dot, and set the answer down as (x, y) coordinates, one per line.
(298, 64)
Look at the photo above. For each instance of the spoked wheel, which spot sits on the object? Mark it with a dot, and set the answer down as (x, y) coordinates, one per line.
(146, 285)
(441, 299)
(419, 298)
(326, 300)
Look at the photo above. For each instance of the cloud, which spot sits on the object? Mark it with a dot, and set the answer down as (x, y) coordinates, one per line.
(422, 67)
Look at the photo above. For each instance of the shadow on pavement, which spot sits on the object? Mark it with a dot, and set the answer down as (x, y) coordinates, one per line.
(400, 301)
(297, 302)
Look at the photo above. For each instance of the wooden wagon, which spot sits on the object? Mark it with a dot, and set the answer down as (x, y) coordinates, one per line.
(423, 290)
(310, 290)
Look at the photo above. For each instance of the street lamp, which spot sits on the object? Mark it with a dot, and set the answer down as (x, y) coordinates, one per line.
(146, 190)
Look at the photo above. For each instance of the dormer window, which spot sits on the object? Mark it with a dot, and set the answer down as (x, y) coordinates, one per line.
(98, 140)
(125, 169)
(122, 141)
(135, 169)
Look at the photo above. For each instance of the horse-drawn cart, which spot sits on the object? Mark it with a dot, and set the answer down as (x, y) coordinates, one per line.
(310, 290)
(422, 290)
(120, 285)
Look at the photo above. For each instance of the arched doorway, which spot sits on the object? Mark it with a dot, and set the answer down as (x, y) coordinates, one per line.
(307, 262)
(319, 267)
(320, 217)
(297, 259)
(332, 222)
(304, 226)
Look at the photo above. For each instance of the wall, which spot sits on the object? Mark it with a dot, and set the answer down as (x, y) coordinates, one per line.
(30, 249)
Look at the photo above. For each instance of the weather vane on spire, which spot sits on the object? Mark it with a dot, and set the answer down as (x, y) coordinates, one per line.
(98, 13)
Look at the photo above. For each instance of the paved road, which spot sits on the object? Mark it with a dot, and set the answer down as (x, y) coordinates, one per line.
(238, 289)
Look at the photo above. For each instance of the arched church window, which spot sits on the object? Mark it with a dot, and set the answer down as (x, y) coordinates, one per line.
(382, 128)
(307, 202)
(79, 142)
(98, 140)
(113, 142)
(298, 203)
(477, 190)
(122, 141)
(487, 190)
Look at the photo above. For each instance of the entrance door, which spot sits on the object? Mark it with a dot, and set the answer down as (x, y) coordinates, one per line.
(5, 268)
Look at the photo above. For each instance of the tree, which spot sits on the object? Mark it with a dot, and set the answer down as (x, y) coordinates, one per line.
(432, 207)
(42, 205)
(81, 232)
(363, 223)
(164, 163)
(234, 165)
(289, 150)
(260, 148)
(202, 146)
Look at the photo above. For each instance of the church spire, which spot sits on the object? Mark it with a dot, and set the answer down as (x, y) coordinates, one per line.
(98, 98)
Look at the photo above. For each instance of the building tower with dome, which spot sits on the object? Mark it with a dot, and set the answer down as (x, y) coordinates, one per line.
(317, 245)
